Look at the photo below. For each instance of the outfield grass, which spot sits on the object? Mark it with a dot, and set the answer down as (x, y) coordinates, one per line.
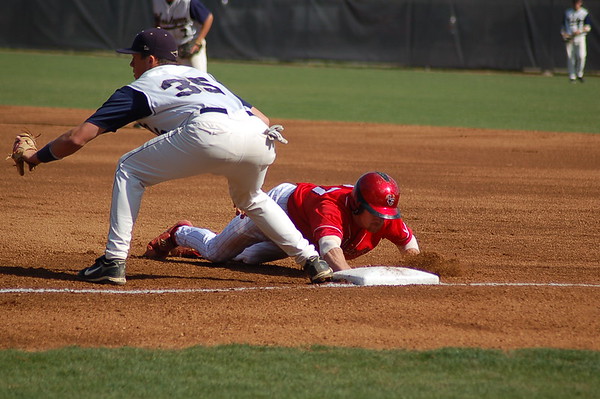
(236, 371)
(414, 97)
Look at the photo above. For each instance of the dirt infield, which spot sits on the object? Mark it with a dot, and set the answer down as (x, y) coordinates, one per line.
(506, 206)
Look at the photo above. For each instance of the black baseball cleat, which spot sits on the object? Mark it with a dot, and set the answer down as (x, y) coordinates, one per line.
(318, 270)
(105, 271)
(580, 79)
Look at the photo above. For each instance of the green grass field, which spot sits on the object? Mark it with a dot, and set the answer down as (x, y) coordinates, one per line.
(412, 97)
(439, 98)
(237, 371)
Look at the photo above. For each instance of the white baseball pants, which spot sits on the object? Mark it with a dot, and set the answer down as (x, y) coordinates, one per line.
(576, 55)
(241, 240)
(233, 146)
(198, 60)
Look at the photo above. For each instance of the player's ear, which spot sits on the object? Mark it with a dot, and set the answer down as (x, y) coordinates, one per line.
(152, 61)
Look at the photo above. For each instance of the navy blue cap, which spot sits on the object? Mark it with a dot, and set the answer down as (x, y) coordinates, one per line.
(154, 41)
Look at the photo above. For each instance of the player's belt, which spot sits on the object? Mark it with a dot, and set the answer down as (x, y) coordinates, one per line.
(219, 110)
(212, 109)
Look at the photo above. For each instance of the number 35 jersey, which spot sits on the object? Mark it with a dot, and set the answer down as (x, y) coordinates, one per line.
(175, 92)
(164, 98)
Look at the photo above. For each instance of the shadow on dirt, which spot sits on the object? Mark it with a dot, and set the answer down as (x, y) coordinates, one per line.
(265, 269)
(38, 272)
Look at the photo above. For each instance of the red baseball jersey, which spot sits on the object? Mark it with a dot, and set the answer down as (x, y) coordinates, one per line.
(319, 211)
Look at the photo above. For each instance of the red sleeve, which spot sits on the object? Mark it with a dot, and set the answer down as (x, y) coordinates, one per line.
(319, 211)
(327, 220)
(398, 232)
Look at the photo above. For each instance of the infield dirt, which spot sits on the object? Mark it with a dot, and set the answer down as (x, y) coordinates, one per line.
(487, 206)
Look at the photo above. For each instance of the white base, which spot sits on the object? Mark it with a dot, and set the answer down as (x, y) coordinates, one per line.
(386, 275)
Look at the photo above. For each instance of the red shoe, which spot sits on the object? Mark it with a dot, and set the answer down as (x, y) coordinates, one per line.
(160, 247)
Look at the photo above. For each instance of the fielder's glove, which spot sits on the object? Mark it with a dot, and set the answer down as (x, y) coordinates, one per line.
(185, 50)
(23, 142)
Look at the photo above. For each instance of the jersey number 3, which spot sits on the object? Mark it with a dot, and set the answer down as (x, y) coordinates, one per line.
(189, 86)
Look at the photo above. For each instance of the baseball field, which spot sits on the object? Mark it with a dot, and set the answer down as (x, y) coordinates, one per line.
(500, 180)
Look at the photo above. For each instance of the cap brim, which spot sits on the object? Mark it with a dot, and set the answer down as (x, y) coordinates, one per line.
(384, 213)
(127, 51)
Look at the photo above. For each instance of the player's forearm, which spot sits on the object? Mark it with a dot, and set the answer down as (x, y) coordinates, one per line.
(336, 260)
(262, 116)
(204, 30)
(67, 143)
(411, 248)
(331, 251)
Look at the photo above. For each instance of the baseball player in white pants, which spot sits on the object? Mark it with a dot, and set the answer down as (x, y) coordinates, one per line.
(202, 127)
(576, 25)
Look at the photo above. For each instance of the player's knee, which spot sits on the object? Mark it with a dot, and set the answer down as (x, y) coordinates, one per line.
(251, 202)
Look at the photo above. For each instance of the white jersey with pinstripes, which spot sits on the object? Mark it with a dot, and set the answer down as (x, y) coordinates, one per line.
(575, 20)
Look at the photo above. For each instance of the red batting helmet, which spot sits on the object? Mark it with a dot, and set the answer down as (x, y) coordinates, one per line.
(378, 193)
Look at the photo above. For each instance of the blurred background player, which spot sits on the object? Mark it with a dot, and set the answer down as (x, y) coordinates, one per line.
(189, 21)
(576, 25)
(343, 222)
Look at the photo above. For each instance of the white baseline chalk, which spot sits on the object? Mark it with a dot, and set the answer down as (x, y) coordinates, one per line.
(241, 289)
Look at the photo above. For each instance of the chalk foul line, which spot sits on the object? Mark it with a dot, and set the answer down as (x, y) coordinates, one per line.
(238, 289)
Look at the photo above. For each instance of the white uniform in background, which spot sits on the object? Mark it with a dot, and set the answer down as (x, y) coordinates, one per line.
(183, 19)
(576, 25)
